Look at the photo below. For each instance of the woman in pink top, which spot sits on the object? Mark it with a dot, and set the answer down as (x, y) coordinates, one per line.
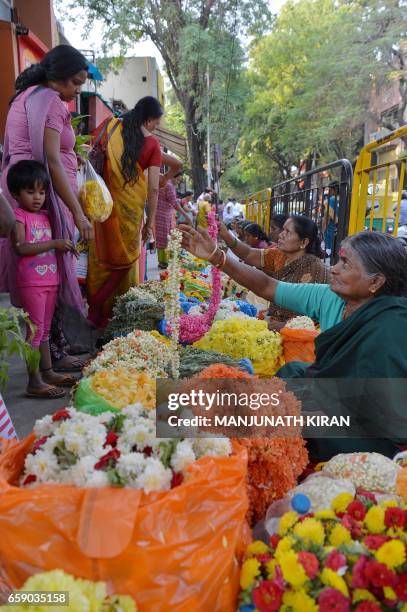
(39, 128)
(37, 272)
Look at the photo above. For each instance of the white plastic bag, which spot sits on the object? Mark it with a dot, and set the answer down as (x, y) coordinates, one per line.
(94, 196)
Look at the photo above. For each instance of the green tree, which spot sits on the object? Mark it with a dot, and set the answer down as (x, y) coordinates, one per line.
(191, 36)
(311, 79)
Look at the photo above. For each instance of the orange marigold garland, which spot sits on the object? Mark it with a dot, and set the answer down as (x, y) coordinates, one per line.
(274, 464)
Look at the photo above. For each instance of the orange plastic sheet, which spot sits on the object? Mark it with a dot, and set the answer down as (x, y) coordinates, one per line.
(298, 344)
(174, 550)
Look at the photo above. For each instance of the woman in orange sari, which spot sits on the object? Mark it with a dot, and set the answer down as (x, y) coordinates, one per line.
(131, 152)
(295, 260)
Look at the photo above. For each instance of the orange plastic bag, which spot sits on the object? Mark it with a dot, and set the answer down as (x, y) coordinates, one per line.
(174, 550)
(298, 344)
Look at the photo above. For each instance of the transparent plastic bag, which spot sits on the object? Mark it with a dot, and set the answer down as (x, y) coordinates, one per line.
(94, 196)
(321, 490)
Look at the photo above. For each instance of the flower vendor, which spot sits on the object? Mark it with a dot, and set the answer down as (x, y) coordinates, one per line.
(363, 307)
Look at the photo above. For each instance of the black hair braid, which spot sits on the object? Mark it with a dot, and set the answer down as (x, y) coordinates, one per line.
(133, 137)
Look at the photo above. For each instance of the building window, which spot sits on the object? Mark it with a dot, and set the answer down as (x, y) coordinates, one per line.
(144, 79)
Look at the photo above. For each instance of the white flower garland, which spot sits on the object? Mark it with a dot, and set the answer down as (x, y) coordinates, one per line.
(172, 308)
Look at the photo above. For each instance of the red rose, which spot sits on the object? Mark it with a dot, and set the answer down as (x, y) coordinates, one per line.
(359, 580)
(379, 575)
(108, 460)
(29, 479)
(111, 439)
(395, 517)
(148, 451)
(335, 560)
(61, 415)
(38, 443)
(267, 597)
(177, 479)
(356, 510)
(274, 540)
(373, 542)
(368, 606)
(310, 563)
(331, 600)
(401, 587)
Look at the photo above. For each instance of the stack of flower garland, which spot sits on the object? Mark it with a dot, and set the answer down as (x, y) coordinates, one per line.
(112, 450)
(194, 360)
(349, 557)
(249, 338)
(141, 350)
(84, 595)
(301, 323)
(141, 307)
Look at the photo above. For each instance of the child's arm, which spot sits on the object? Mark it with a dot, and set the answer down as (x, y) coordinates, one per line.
(25, 249)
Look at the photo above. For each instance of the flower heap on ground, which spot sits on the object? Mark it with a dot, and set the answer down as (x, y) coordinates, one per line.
(186, 328)
(112, 450)
(84, 595)
(349, 557)
(245, 338)
(274, 464)
(141, 350)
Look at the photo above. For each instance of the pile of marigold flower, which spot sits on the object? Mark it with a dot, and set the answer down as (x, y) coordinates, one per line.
(351, 556)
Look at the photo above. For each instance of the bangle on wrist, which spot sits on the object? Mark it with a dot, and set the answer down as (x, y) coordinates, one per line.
(222, 261)
(212, 254)
(234, 243)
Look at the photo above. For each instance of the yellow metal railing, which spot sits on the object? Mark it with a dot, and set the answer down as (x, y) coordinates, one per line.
(258, 208)
(377, 187)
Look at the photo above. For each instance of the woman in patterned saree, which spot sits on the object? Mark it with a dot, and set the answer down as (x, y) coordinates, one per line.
(113, 256)
(296, 260)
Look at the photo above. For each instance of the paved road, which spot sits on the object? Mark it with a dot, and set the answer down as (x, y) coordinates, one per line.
(25, 411)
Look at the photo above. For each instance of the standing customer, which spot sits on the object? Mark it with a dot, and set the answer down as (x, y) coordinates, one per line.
(39, 128)
(164, 220)
(37, 276)
(113, 257)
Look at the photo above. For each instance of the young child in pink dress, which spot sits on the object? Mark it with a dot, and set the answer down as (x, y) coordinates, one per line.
(37, 277)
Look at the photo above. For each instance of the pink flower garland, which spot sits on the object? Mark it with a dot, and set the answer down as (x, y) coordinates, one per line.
(192, 328)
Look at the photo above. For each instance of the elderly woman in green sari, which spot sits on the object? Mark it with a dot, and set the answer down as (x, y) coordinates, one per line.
(362, 314)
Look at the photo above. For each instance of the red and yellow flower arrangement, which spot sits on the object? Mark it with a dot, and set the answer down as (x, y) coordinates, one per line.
(351, 557)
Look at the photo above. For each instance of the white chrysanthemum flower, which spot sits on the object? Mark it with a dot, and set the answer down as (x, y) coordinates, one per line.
(43, 465)
(212, 447)
(155, 477)
(44, 427)
(183, 456)
(133, 411)
(130, 466)
(97, 479)
(80, 473)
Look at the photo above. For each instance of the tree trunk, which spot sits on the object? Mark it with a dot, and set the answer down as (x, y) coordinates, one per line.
(196, 146)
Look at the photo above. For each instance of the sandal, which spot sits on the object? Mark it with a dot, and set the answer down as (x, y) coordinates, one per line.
(64, 380)
(74, 364)
(46, 393)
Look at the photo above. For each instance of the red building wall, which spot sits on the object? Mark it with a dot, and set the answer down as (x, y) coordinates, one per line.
(98, 112)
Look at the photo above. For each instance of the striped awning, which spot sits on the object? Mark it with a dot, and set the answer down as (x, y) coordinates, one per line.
(172, 141)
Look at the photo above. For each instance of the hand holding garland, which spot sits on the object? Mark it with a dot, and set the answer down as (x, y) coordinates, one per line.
(199, 243)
